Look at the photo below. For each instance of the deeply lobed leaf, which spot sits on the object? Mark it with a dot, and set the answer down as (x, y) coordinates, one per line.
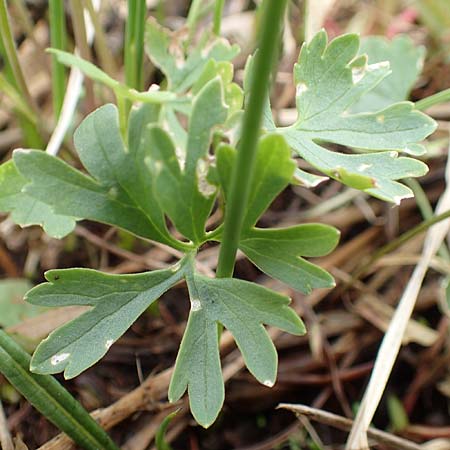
(26, 210)
(331, 79)
(119, 191)
(181, 70)
(117, 301)
(243, 308)
(277, 252)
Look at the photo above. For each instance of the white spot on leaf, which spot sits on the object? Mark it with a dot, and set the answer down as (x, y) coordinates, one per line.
(58, 359)
(301, 89)
(268, 383)
(196, 304)
(204, 187)
(108, 343)
(358, 74)
(379, 65)
(362, 167)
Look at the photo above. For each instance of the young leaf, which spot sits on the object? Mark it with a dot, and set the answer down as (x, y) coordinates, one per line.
(243, 308)
(24, 209)
(168, 55)
(92, 71)
(119, 192)
(274, 169)
(405, 61)
(189, 211)
(277, 253)
(117, 301)
(330, 80)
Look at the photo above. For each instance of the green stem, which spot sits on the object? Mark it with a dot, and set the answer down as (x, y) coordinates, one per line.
(31, 129)
(134, 43)
(50, 398)
(11, 53)
(396, 243)
(435, 99)
(241, 177)
(193, 14)
(425, 209)
(218, 10)
(79, 28)
(101, 47)
(58, 40)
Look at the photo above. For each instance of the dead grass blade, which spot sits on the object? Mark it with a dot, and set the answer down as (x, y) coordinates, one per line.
(345, 424)
(392, 341)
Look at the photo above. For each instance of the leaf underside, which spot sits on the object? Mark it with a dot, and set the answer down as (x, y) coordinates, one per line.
(332, 82)
(242, 307)
(116, 301)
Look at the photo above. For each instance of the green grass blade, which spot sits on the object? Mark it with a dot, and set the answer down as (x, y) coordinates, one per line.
(11, 52)
(14, 75)
(50, 398)
(134, 43)
(218, 10)
(58, 40)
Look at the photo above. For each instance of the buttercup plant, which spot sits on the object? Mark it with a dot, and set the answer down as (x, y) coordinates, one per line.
(145, 167)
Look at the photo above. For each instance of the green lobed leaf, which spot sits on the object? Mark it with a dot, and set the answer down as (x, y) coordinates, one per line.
(274, 169)
(166, 51)
(405, 61)
(50, 398)
(190, 210)
(24, 209)
(330, 79)
(119, 191)
(277, 252)
(117, 301)
(242, 307)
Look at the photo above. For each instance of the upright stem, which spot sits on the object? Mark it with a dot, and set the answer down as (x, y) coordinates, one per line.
(101, 47)
(241, 177)
(218, 10)
(58, 40)
(79, 28)
(11, 54)
(134, 43)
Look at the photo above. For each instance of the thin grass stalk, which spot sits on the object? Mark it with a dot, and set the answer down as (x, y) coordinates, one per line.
(193, 14)
(11, 54)
(134, 43)
(392, 341)
(399, 241)
(217, 21)
(14, 75)
(269, 38)
(426, 209)
(104, 53)
(23, 17)
(435, 99)
(58, 39)
(79, 28)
